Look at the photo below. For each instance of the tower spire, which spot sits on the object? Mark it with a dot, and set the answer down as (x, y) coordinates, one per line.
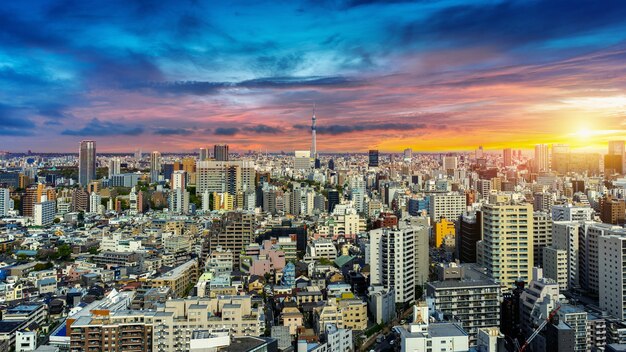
(313, 136)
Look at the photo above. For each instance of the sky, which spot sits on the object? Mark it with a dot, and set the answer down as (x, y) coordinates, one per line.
(432, 75)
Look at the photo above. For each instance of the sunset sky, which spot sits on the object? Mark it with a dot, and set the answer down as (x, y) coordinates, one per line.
(431, 75)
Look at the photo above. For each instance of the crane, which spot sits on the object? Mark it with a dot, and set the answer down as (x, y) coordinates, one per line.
(537, 331)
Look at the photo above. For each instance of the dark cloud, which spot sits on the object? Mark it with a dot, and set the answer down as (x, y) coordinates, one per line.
(105, 128)
(226, 131)
(342, 129)
(53, 110)
(207, 88)
(264, 129)
(512, 23)
(14, 123)
(173, 131)
(278, 65)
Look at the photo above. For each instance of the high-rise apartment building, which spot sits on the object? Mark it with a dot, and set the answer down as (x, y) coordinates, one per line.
(399, 258)
(476, 304)
(612, 274)
(506, 250)
(115, 167)
(179, 180)
(234, 232)
(155, 166)
(86, 162)
(449, 206)
(225, 176)
(5, 201)
(220, 152)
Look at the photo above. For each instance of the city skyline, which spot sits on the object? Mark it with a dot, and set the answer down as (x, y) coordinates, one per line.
(426, 75)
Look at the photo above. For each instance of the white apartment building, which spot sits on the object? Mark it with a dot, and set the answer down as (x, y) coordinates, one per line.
(449, 206)
(612, 274)
(43, 212)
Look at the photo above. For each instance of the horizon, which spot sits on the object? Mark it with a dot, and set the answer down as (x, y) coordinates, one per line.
(436, 76)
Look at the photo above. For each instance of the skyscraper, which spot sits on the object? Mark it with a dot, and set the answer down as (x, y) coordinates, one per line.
(203, 154)
(155, 166)
(616, 147)
(542, 161)
(313, 137)
(507, 156)
(86, 162)
(373, 158)
(220, 152)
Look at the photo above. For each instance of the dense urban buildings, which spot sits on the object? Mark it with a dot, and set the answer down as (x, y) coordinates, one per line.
(313, 176)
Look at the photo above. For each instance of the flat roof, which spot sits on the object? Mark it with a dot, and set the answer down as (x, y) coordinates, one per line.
(461, 283)
(445, 329)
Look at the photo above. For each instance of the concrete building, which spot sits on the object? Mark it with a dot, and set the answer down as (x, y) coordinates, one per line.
(449, 206)
(612, 274)
(399, 259)
(507, 244)
(5, 202)
(542, 235)
(421, 335)
(86, 162)
(476, 304)
(381, 304)
(180, 279)
(155, 166)
(302, 160)
(169, 328)
(225, 176)
(44, 212)
(569, 212)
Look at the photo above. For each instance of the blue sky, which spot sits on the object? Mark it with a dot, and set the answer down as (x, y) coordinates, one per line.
(174, 76)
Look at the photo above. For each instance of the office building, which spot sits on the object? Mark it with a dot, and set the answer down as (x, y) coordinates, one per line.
(506, 248)
(373, 158)
(542, 158)
(450, 162)
(155, 166)
(86, 162)
(507, 157)
(203, 154)
(220, 152)
(613, 210)
(470, 232)
(302, 160)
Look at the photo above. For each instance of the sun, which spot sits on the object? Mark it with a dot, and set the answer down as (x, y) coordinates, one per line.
(584, 133)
